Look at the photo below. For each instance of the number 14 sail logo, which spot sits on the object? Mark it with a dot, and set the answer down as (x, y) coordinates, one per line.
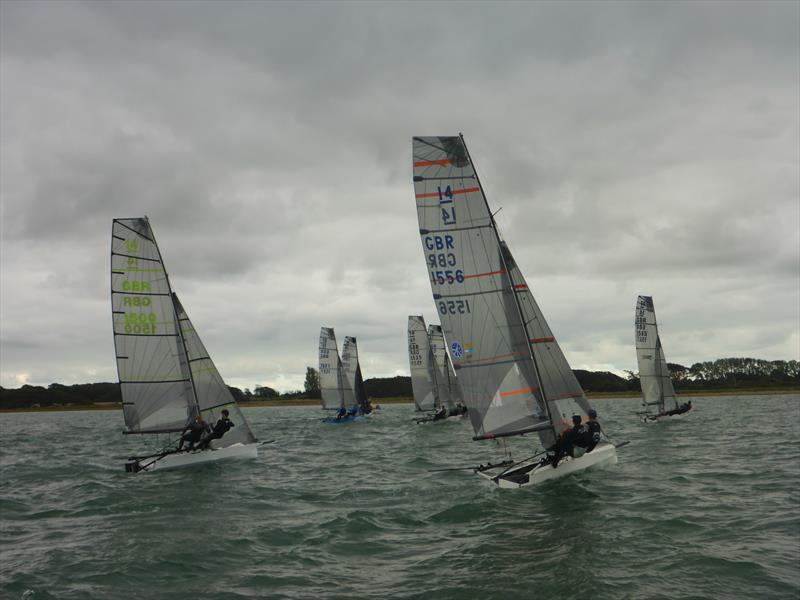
(446, 205)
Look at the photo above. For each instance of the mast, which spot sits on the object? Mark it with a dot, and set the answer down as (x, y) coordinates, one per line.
(513, 291)
(177, 322)
(660, 354)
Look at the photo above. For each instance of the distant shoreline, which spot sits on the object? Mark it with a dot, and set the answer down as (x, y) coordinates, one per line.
(401, 400)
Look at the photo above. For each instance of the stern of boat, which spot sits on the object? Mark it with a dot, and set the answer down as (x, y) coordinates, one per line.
(604, 455)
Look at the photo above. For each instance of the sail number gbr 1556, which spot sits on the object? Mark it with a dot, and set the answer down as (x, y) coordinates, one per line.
(454, 307)
(440, 258)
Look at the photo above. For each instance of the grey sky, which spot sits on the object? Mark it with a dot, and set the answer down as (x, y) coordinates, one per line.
(633, 147)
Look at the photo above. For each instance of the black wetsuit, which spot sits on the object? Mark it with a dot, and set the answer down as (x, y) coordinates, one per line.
(677, 411)
(564, 445)
(193, 433)
(440, 414)
(220, 428)
(592, 434)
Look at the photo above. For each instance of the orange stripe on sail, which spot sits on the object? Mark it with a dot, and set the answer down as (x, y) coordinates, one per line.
(455, 193)
(430, 163)
(517, 392)
(520, 286)
(543, 340)
(484, 274)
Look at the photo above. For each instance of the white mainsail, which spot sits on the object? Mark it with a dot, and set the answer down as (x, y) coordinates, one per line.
(336, 392)
(352, 370)
(444, 378)
(421, 363)
(488, 321)
(658, 394)
(166, 375)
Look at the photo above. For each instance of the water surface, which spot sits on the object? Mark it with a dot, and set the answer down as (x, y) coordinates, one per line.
(703, 507)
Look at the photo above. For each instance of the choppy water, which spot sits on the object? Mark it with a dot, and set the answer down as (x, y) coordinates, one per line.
(705, 507)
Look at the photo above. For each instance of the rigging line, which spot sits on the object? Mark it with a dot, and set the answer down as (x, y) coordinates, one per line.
(532, 429)
(139, 233)
(516, 298)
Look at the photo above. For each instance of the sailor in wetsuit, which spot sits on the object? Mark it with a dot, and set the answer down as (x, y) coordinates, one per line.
(685, 407)
(593, 431)
(568, 439)
(342, 413)
(193, 433)
(220, 428)
(441, 413)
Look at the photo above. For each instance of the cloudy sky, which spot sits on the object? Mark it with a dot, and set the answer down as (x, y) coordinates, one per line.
(634, 148)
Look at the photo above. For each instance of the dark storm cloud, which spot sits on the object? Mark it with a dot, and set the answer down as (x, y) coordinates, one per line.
(634, 148)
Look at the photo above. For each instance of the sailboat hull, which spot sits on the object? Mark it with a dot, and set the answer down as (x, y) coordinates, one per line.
(343, 420)
(658, 418)
(188, 459)
(602, 456)
(447, 419)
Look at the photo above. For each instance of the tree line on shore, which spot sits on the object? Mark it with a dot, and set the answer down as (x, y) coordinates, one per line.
(724, 374)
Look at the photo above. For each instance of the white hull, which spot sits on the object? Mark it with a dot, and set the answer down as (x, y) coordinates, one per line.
(186, 459)
(603, 455)
(659, 418)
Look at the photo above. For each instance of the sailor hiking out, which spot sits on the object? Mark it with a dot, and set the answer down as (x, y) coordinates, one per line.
(221, 427)
(193, 433)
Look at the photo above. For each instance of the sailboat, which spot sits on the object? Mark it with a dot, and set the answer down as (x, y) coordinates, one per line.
(659, 401)
(433, 381)
(422, 365)
(352, 371)
(166, 376)
(512, 373)
(336, 391)
(446, 382)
